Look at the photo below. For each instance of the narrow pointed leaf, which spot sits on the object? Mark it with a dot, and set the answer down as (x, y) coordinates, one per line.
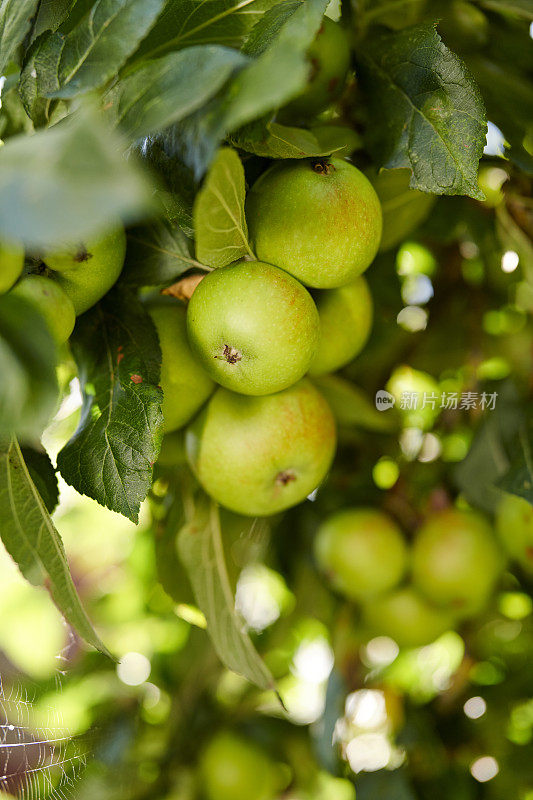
(33, 542)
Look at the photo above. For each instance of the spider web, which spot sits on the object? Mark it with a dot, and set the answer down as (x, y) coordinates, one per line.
(36, 762)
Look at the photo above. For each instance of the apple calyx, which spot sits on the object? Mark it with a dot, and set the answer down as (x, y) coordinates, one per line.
(322, 167)
(230, 354)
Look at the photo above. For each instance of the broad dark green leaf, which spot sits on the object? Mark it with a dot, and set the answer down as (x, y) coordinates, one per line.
(175, 198)
(111, 455)
(522, 8)
(219, 221)
(170, 88)
(268, 27)
(32, 541)
(519, 477)
(187, 22)
(201, 549)
(47, 189)
(269, 81)
(51, 14)
(95, 49)
(426, 112)
(28, 384)
(157, 254)
(389, 784)
(15, 20)
(43, 475)
(488, 460)
(508, 96)
(278, 141)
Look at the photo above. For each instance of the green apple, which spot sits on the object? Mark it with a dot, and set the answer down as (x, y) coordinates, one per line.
(51, 301)
(319, 219)
(260, 455)
(11, 264)
(362, 551)
(233, 768)
(456, 561)
(514, 526)
(186, 386)
(407, 617)
(345, 321)
(404, 209)
(329, 57)
(253, 327)
(87, 270)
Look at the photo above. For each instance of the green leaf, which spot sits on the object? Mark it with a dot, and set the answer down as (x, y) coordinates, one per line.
(111, 455)
(278, 141)
(519, 477)
(201, 550)
(176, 196)
(94, 50)
(47, 189)
(352, 407)
(508, 96)
(51, 14)
(219, 220)
(521, 8)
(188, 22)
(269, 81)
(403, 208)
(15, 18)
(488, 461)
(43, 475)
(426, 112)
(28, 387)
(157, 254)
(170, 88)
(31, 539)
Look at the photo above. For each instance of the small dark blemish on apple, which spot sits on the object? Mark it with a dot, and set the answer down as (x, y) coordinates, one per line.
(315, 69)
(332, 85)
(82, 254)
(230, 354)
(285, 477)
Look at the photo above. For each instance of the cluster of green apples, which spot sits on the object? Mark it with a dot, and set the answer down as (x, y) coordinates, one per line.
(411, 591)
(255, 333)
(67, 282)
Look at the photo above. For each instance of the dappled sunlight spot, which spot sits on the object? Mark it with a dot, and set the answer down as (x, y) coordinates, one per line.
(380, 651)
(413, 319)
(484, 769)
(366, 708)
(417, 289)
(368, 752)
(495, 141)
(134, 669)
(475, 707)
(510, 261)
(313, 661)
(411, 441)
(261, 596)
(431, 448)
